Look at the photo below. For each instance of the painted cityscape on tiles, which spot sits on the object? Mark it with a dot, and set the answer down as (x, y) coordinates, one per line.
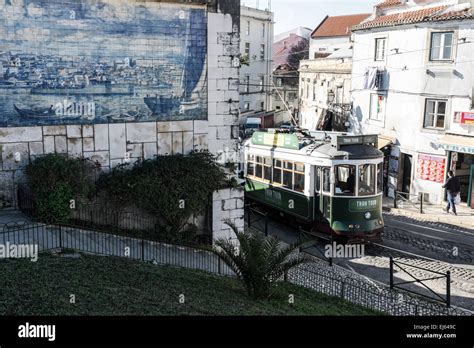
(85, 62)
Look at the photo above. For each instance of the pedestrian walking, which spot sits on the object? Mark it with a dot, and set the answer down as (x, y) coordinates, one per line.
(453, 186)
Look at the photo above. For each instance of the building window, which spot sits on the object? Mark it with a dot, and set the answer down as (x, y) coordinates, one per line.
(247, 84)
(291, 96)
(377, 107)
(279, 83)
(435, 113)
(263, 29)
(380, 48)
(247, 28)
(314, 90)
(247, 106)
(247, 48)
(262, 52)
(261, 83)
(262, 105)
(441, 46)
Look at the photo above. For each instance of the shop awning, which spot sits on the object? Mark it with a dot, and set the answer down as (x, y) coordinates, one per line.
(457, 143)
(385, 140)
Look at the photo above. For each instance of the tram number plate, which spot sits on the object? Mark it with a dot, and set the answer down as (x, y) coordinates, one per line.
(366, 204)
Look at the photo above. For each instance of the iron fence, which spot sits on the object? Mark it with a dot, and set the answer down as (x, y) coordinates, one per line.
(404, 267)
(58, 237)
(416, 201)
(111, 219)
(328, 281)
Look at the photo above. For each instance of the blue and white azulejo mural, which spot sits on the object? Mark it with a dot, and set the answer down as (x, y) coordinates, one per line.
(101, 61)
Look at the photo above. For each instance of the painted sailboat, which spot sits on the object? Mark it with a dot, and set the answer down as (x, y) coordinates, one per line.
(193, 68)
(41, 113)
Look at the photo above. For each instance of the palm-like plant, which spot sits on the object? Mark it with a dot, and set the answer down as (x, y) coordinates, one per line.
(258, 261)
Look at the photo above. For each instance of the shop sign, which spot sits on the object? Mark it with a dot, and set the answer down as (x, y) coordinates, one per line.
(457, 148)
(464, 117)
(431, 168)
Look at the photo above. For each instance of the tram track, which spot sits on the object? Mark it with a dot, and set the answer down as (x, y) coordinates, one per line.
(448, 249)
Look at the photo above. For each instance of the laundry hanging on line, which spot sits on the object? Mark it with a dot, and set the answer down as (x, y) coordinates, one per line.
(373, 78)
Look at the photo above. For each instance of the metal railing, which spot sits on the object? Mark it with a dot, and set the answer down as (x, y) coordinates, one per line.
(405, 198)
(60, 237)
(404, 268)
(111, 219)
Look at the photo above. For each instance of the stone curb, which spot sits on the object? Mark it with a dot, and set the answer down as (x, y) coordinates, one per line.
(458, 221)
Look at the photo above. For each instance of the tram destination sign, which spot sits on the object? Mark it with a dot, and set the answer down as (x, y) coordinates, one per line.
(355, 140)
(358, 205)
(288, 141)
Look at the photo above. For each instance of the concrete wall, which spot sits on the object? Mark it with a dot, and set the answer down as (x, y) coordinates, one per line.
(411, 79)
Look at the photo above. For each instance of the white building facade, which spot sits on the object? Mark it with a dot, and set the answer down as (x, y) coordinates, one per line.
(412, 83)
(333, 34)
(325, 93)
(256, 47)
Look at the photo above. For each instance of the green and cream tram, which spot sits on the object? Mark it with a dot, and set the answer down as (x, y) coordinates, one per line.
(328, 181)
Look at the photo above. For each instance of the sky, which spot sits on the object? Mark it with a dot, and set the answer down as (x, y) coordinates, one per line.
(290, 14)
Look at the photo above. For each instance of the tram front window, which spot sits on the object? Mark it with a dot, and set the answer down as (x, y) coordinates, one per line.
(345, 180)
(367, 180)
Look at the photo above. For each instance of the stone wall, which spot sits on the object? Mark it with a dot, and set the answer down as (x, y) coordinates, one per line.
(113, 143)
(227, 205)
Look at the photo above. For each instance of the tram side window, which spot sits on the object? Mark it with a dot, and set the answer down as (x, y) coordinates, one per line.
(258, 167)
(251, 165)
(288, 175)
(318, 179)
(345, 180)
(277, 167)
(326, 180)
(367, 180)
(379, 177)
(299, 177)
(267, 169)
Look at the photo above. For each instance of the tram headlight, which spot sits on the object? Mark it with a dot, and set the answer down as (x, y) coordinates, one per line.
(367, 215)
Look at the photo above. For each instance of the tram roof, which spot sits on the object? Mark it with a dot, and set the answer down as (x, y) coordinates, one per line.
(319, 144)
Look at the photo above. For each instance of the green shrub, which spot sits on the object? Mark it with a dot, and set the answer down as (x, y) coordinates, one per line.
(54, 180)
(258, 261)
(173, 188)
(53, 206)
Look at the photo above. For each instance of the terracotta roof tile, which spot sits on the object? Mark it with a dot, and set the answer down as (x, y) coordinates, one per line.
(338, 25)
(388, 3)
(418, 16)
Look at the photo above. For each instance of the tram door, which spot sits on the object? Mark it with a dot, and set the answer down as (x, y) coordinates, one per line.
(322, 187)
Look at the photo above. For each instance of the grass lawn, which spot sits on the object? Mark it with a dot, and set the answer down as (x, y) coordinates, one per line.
(116, 286)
